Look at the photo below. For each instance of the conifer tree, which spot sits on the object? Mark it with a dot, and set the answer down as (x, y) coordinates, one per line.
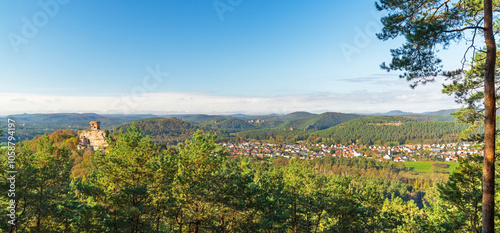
(431, 25)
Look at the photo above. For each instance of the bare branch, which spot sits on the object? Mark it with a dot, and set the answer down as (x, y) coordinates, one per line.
(465, 28)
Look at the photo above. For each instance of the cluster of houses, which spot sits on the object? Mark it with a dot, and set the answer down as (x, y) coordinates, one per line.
(448, 152)
(256, 121)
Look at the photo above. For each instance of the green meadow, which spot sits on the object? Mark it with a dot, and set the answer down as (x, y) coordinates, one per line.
(425, 166)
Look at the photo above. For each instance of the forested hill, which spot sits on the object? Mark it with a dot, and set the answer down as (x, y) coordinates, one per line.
(318, 122)
(168, 131)
(293, 115)
(237, 123)
(400, 129)
(295, 120)
(369, 130)
(230, 125)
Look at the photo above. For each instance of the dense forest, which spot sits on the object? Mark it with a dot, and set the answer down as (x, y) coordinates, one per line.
(393, 128)
(230, 125)
(139, 186)
(318, 122)
(168, 131)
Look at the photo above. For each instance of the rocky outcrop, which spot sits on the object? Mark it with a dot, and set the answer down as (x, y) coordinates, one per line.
(95, 125)
(94, 139)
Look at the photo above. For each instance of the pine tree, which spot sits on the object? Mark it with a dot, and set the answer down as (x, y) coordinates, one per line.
(428, 24)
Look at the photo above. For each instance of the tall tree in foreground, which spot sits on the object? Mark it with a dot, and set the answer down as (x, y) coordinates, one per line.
(429, 24)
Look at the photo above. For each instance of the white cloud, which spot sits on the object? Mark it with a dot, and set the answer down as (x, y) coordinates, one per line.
(424, 98)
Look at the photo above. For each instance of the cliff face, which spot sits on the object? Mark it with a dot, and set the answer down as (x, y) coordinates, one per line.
(92, 139)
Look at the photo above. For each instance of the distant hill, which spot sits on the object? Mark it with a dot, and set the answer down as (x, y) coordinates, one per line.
(129, 116)
(394, 113)
(430, 117)
(400, 129)
(196, 117)
(170, 131)
(56, 117)
(445, 112)
(234, 124)
(77, 118)
(31, 125)
(441, 112)
(442, 115)
(294, 115)
(230, 125)
(239, 115)
(318, 122)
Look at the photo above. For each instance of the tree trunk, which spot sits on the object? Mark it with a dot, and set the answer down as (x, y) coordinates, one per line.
(308, 217)
(473, 224)
(489, 122)
(196, 224)
(294, 216)
(158, 223)
(39, 214)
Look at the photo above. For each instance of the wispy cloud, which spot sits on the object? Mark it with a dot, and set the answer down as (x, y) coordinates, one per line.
(384, 79)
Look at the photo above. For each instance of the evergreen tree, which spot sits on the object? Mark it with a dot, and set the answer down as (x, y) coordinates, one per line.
(118, 183)
(426, 24)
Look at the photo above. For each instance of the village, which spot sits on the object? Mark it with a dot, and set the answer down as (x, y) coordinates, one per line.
(450, 152)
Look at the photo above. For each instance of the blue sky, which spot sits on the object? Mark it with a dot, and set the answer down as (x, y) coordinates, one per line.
(216, 57)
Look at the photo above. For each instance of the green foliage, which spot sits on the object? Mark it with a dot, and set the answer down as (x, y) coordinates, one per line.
(447, 117)
(118, 182)
(169, 131)
(425, 166)
(368, 130)
(467, 87)
(427, 26)
(392, 128)
(230, 125)
(462, 194)
(318, 122)
(43, 196)
(137, 186)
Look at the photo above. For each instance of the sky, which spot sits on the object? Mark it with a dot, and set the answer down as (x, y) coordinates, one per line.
(210, 57)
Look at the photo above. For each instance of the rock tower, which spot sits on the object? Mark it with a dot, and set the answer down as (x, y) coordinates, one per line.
(93, 139)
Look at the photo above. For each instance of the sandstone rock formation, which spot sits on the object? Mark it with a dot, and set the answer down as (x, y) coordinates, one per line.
(94, 139)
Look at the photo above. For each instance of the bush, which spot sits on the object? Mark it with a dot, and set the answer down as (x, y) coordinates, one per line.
(441, 165)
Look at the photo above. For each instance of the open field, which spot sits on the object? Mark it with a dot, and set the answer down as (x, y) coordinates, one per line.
(425, 166)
